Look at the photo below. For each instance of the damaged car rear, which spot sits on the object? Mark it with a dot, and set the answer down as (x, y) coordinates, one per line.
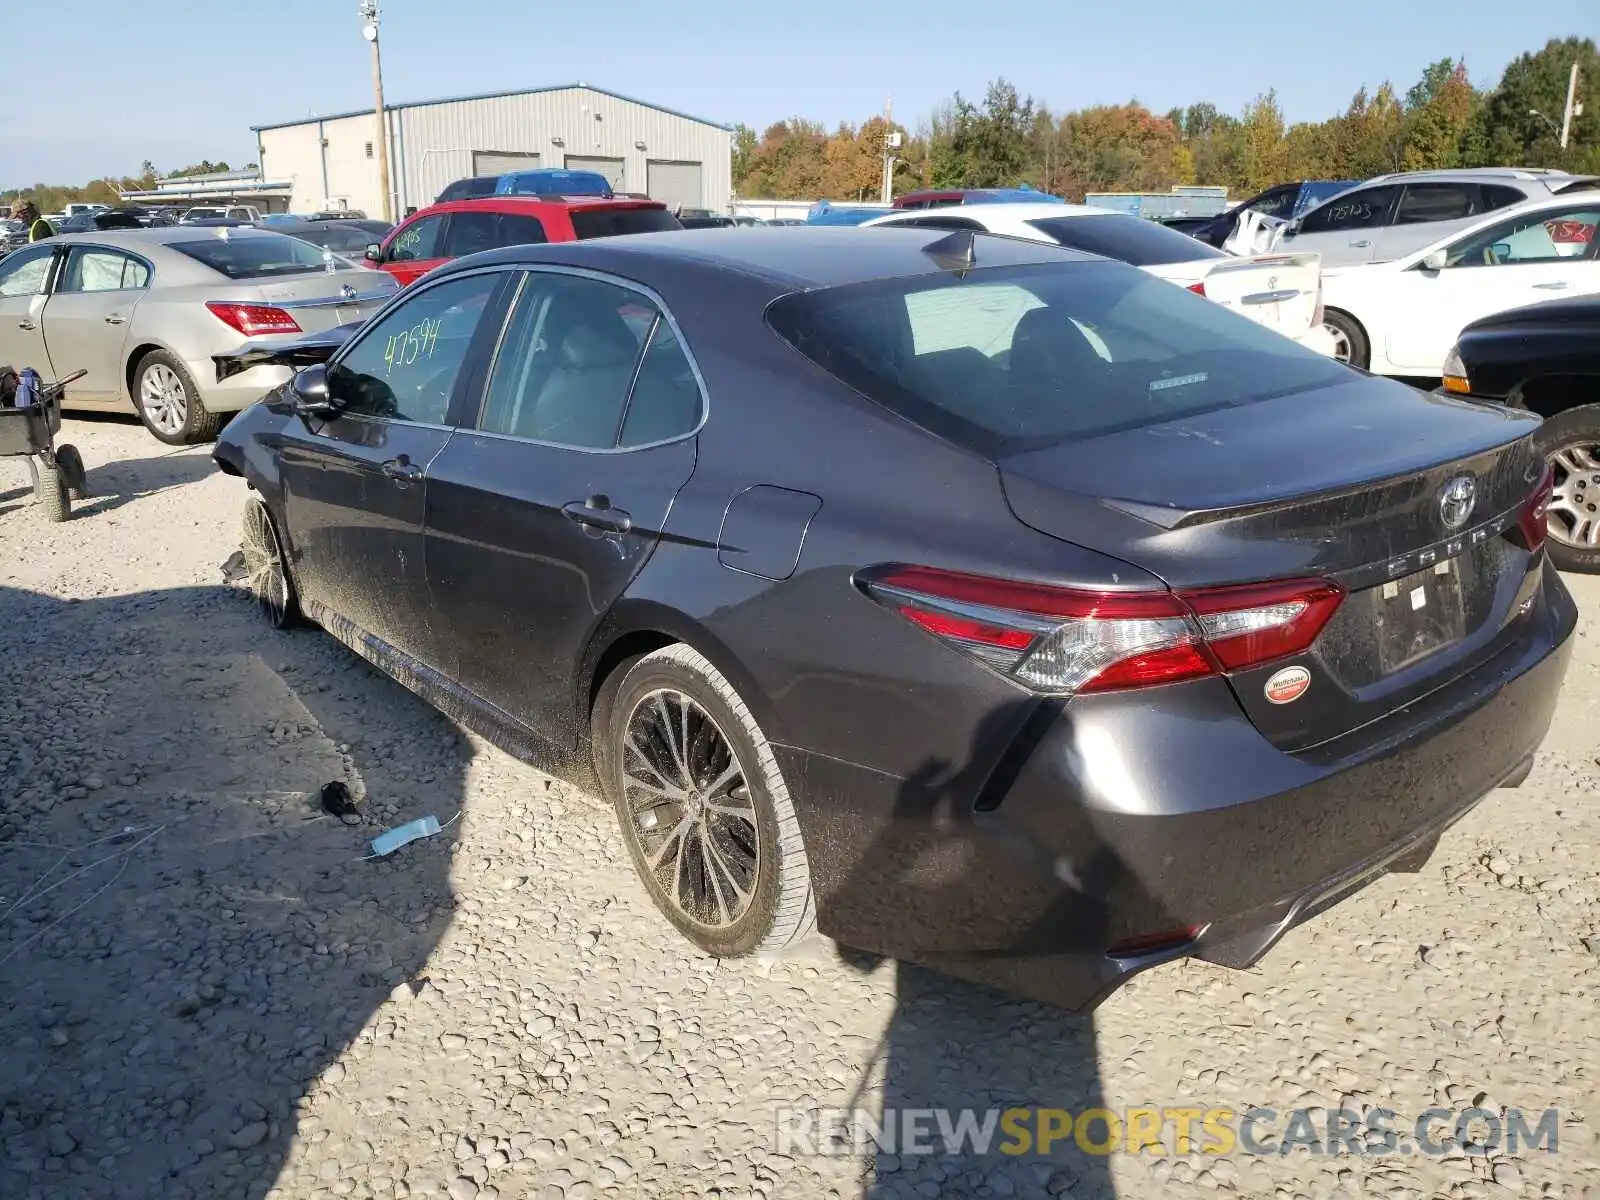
(986, 604)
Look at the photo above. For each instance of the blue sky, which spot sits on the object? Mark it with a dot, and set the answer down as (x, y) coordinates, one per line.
(175, 81)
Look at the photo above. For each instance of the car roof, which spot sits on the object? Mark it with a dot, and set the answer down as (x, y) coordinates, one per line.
(1549, 178)
(812, 257)
(532, 205)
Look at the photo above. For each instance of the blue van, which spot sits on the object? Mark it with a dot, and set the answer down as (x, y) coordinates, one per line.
(551, 181)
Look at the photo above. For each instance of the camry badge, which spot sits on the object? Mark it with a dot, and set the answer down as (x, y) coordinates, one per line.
(1456, 501)
(1288, 685)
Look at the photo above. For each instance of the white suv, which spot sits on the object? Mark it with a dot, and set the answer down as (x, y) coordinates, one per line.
(1393, 215)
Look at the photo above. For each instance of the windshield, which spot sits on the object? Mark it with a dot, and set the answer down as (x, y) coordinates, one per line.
(1013, 359)
(608, 222)
(1127, 239)
(257, 256)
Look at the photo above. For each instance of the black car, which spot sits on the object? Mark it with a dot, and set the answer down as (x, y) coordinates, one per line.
(988, 604)
(469, 189)
(709, 221)
(1545, 358)
(342, 237)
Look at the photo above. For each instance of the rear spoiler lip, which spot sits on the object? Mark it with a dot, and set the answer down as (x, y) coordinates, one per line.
(302, 352)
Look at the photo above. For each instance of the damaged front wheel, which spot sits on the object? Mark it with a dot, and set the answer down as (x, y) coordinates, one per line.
(265, 574)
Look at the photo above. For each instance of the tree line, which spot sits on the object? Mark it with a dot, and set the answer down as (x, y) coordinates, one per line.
(51, 197)
(1006, 139)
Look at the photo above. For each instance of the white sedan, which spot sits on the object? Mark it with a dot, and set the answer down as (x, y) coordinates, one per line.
(1281, 291)
(1402, 317)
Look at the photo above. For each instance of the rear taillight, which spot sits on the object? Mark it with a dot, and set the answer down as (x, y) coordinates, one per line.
(253, 320)
(1199, 289)
(1070, 640)
(1531, 519)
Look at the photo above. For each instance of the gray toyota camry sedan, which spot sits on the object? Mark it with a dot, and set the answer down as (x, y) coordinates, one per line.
(143, 310)
(983, 603)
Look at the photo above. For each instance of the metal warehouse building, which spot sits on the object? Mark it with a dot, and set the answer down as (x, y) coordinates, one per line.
(332, 162)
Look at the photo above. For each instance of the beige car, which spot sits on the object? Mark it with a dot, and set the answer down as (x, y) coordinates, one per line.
(143, 311)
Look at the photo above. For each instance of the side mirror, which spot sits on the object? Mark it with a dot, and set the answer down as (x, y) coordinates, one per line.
(1436, 261)
(374, 252)
(312, 397)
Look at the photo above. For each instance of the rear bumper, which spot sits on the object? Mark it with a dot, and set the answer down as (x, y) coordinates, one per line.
(1318, 338)
(237, 391)
(1128, 818)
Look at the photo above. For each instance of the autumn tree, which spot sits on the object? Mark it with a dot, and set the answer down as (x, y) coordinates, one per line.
(1435, 127)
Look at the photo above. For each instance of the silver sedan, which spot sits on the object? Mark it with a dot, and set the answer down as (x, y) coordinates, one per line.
(143, 311)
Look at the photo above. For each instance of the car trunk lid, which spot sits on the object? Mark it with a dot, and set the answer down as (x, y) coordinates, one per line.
(1347, 483)
(1279, 291)
(321, 300)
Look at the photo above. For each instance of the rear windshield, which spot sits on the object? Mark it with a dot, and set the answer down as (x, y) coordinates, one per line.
(609, 222)
(1126, 239)
(256, 256)
(1012, 359)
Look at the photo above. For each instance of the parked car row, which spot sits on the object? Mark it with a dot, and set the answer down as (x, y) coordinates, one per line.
(976, 599)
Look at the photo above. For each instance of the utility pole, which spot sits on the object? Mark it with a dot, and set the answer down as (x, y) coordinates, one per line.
(1571, 110)
(891, 143)
(369, 13)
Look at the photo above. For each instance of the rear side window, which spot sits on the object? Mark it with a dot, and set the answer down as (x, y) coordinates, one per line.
(1126, 239)
(471, 232)
(609, 222)
(1017, 358)
(1493, 195)
(1364, 209)
(1424, 202)
(257, 256)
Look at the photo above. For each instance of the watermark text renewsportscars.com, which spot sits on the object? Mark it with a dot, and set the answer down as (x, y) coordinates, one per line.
(1161, 1131)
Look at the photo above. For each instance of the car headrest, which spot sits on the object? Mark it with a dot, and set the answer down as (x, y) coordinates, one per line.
(602, 339)
(1048, 347)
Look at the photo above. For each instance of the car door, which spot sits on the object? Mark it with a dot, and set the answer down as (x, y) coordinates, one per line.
(25, 277)
(1345, 229)
(1427, 213)
(415, 248)
(1515, 262)
(89, 313)
(549, 499)
(355, 486)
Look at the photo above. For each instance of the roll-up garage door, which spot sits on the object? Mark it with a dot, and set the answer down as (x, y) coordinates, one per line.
(611, 168)
(674, 183)
(497, 162)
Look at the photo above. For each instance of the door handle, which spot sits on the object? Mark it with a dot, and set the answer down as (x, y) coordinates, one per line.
(1361, 245)
(26, 324)
(1558, 286)
(596, 514)
(115, 319)
(402, 470)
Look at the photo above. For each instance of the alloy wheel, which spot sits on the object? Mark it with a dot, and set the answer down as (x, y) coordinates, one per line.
(163, 398)
(691, 810)
(1341, 343)
(1574, 513)
(263, 564)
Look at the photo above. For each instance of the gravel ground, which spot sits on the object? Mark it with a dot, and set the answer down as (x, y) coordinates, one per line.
(205, 992)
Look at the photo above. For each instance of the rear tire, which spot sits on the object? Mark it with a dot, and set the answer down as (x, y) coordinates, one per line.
(704, 810)
(71, 464)
(169, 402)
(1350, 340)
(1571, 443)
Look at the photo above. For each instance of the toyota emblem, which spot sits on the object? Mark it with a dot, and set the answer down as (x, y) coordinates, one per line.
(348, 292)
(1457, 500)
(1272, 282)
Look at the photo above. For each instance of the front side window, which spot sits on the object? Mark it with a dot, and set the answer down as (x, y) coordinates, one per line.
(1012, 359)
(1425, 202)
(1541, 237)
(24, 272)
(1277, 203)
(1367, 208)
(406, 366)
(94, 270)
(570, 372)
(418, 241)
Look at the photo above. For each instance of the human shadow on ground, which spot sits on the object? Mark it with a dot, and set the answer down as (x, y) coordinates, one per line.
(956, 1050)
(187, 948)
